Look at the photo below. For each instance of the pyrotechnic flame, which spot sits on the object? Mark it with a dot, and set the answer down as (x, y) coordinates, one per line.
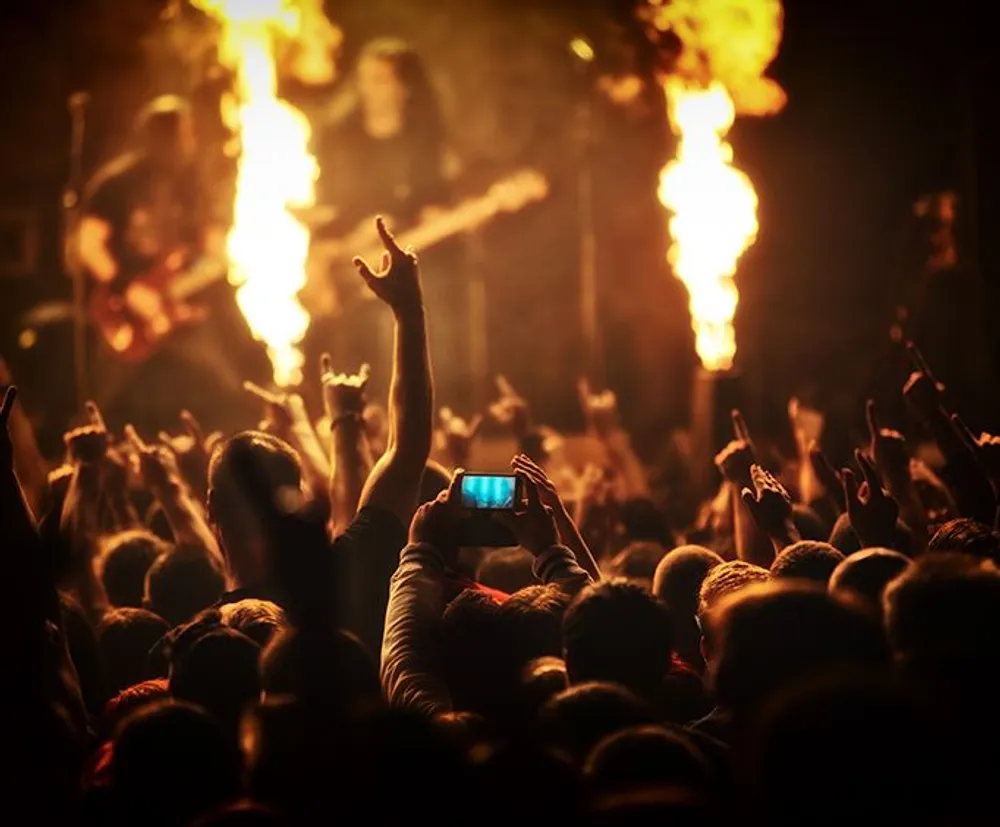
(726, 46)
(267, 246)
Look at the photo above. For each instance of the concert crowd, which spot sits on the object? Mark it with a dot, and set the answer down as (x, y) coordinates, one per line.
(294, 625)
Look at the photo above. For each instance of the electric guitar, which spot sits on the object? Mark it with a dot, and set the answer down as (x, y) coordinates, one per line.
(326, 294)
(133, 324)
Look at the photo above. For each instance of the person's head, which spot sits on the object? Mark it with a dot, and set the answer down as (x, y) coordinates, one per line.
(866, 573)
(646, 756)
(845, 540)
(242, 814)
(677, 583)
(723, 580)
(332, 668)
(219, 673)
(124, 559)
(942, 616)
(846, 748)
(259, 620)
(576, 720)
(393, 85)
(230, 505)
(806, 560)
(542, 679)
(125, 638)
(486, 645)
(773, 635)
(165, 131)
(636, 562)
(135, 697)
(618, 632)
(181, 583)
(170, 763)
(506, 570)
(965, 536)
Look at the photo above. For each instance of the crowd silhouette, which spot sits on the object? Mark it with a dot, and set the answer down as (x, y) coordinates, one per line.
(291, 624)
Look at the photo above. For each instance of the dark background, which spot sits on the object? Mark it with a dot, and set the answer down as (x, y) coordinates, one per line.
(887, 101)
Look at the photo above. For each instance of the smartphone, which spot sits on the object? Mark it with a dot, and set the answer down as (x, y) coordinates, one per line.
(489, 492)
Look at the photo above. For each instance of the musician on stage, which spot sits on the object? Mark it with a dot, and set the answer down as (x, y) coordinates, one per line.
(387, 155)
(149, 208)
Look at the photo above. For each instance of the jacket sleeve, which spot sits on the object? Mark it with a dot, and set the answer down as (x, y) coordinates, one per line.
(558, 567)
(416, 603)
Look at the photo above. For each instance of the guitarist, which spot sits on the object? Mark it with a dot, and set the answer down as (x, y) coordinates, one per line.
(148, 209)
(386, 154)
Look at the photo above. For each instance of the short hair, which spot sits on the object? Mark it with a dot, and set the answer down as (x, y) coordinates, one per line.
(637, 562)
(866, 573)
(228, 496)
(618, 632)
(677, 583)
(335, 669)
(724, 580)
(125, 637)
(171, 762)
(181, 583)
(258, 619)
(218, 672)
(943, 612)
(124, 560)
(506, 570)
(776, 634)
(646, 756)
(577, 719)
(128, 701)
(679, 575)
(966, 536)
(486, 645)
(806, 560)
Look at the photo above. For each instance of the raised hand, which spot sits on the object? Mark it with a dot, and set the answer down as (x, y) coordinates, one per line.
(343, 393)
(828, 476)
(154, 464)
(192, 449)
(600, 410)
(455, 436)
(277, 417)
(985, 448)
(738, 457)
(535, 526)
(88, 444)
(437, 522)
(807, 425)
(887, 446)
(6, 444)
(872, 510)
(397, 283)
(922, 390)
(511, 409)
(771, 507)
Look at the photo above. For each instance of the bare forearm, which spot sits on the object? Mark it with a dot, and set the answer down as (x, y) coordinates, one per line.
(351, 463)
(752, 545)
(187, 521)
(411, 394)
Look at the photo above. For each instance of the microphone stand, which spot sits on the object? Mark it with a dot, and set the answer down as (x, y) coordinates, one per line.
(589, 291)
(72, 266)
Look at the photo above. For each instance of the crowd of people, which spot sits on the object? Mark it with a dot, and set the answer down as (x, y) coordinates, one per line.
(290, 625)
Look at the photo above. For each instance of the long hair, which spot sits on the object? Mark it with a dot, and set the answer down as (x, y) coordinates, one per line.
(423, 124)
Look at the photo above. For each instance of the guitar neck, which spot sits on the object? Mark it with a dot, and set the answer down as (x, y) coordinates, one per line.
(200, 276)
(466, 216)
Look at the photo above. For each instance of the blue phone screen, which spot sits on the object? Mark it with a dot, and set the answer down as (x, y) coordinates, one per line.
(495, 492)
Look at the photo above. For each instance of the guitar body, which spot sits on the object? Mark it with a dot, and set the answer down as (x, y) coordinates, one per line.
(134, 323)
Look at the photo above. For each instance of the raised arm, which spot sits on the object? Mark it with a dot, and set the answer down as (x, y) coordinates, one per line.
(350, 454)
(395, 479)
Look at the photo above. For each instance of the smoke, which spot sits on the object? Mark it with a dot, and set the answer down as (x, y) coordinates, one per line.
(732, 42)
